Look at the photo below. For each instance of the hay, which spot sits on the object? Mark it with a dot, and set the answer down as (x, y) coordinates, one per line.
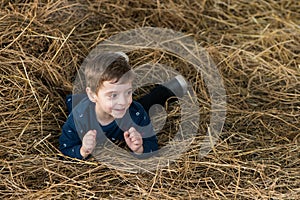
(255, 45)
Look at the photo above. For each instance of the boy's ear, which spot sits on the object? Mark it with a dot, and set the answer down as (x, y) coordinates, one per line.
(91, 95)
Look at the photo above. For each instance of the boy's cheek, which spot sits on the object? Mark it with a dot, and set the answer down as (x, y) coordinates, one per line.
(130, 101)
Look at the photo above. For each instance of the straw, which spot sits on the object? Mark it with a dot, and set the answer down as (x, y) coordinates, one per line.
(255, 45)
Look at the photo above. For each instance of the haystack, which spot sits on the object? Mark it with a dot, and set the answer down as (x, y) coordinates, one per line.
(255, 46)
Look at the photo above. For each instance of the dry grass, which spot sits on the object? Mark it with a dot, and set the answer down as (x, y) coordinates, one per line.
(255, 45)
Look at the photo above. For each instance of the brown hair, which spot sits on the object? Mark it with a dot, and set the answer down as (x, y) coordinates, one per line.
(107, 67)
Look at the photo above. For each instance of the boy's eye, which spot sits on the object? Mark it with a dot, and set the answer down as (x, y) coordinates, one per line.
(129, 92)
(113, 95)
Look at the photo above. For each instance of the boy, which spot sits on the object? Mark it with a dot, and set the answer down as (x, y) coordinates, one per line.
(108, 110)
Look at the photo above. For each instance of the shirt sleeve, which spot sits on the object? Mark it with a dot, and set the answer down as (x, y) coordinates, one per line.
(69, 141)
(150, 143)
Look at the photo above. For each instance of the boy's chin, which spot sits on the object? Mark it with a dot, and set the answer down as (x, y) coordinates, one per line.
(118, 115)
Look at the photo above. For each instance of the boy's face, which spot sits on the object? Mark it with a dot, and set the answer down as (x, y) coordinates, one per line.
(113, 99)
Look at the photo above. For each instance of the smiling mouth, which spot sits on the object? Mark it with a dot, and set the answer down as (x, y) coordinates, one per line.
(120, 110)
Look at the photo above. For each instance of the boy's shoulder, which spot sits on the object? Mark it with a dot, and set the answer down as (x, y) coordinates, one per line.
(82, 107)
(136, 107)
(138, 113)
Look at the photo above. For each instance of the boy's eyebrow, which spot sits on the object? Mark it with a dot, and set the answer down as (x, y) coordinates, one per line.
(115, 91)
(110, 92)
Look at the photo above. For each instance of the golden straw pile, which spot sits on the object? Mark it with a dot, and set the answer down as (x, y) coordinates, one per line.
(255, 45)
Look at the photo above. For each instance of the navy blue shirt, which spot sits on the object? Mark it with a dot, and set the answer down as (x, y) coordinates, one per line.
(83, 118)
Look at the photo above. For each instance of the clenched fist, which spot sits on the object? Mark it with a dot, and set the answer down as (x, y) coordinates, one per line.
(134, 140)
(88, 143)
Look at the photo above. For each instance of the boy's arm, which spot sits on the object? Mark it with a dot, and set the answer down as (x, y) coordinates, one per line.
(69, 141)
(150, 142)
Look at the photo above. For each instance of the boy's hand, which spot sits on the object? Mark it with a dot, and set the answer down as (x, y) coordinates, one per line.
(134, 140)
(88, 143)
